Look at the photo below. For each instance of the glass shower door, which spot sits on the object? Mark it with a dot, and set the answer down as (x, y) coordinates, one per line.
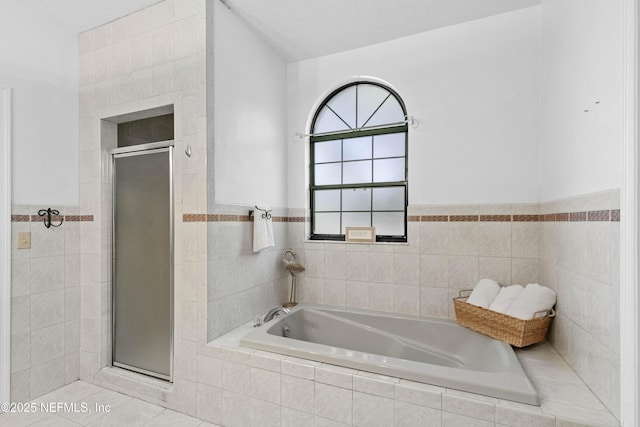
(143, 260)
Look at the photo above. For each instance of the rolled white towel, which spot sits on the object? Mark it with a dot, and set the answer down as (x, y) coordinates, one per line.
(484, 293)
(534, 298)
(505, 298)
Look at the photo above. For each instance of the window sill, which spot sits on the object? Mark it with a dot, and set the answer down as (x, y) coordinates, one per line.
(342, 242)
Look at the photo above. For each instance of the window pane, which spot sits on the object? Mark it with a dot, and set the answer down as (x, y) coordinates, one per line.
(326, 223)
(344, 105)
(369, 98)
(388, 170)
(356, 199)
(390, 112)
(327, 174)
(326, 200)
(389, 223)
(327, 151)
(357, 219)
(327, 121)
(357, 148)
(388, 199)
(363, 161)
(389, 145)
(356, 172)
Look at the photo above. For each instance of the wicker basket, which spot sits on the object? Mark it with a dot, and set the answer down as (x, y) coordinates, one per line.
(517, 332)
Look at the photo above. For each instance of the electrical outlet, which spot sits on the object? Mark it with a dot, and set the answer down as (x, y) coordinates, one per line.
(24, 240)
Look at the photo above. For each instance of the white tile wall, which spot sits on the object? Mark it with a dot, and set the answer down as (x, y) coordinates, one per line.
(145, 60)
(45, 306)
(580, 260)
(420, 277)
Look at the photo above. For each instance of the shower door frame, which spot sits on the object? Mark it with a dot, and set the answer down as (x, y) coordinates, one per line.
(130, 151)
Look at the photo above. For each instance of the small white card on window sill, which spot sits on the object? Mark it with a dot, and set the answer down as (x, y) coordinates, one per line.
(360, 234)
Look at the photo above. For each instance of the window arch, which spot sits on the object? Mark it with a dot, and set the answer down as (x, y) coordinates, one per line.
(359, 163)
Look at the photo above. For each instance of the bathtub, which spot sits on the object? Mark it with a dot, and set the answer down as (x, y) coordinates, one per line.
(427, 350)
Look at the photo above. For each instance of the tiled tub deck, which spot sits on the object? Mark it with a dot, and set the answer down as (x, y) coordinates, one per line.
(239, 386)
(241, 383)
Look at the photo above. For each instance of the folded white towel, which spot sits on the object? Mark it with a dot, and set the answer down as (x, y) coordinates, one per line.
(534, 298)
(505, 298)
(484, 293)
(262, 231)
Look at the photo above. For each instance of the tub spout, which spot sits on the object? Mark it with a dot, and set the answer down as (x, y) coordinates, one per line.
(274, 311)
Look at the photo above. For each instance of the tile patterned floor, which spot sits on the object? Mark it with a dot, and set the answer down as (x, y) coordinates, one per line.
(124, 411)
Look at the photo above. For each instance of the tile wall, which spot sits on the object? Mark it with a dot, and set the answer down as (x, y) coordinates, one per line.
(450, 248)
(241, 283)
(45, 303)
(569, 245)
(152, 58)
(580, 259)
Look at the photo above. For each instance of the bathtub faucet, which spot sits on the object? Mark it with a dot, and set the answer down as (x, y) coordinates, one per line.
(275, 311)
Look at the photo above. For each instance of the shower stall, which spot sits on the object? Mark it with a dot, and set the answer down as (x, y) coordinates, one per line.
(142, 280)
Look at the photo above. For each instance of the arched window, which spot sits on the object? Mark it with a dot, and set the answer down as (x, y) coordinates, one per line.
(359, 163)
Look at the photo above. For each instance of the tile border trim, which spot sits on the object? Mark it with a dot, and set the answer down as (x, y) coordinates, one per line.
(237, 218)
(588, 216)
(66, 218)
(582, 216)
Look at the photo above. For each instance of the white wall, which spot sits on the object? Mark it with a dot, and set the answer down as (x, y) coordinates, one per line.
(250, 115)
(475, 89)
(581, 64)
(39, 61)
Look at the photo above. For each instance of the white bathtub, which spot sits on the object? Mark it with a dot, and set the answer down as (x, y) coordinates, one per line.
(428, 350)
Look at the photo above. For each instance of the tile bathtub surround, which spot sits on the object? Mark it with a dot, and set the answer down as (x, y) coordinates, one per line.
(241, 284)
(569, 245)
(45, 304)
(286, 390)
(579, 259)
(449, 248)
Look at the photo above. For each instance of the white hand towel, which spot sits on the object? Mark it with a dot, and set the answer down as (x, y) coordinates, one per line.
(262, 231)
(484, 293)
(505, 298)
(534, 298)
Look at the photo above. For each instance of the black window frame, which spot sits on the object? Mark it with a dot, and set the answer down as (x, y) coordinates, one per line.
(400, 127)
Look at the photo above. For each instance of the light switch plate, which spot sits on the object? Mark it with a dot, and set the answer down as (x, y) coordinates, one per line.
(24, 240)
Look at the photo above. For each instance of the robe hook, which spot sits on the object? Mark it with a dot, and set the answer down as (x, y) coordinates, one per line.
(47, 213)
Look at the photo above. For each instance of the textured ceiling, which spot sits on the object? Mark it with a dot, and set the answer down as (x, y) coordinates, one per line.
(301, 29)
